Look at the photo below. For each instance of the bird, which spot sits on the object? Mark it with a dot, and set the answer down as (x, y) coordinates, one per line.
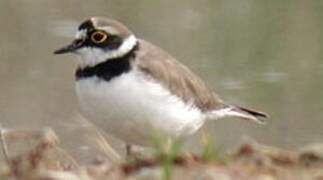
(131, 88)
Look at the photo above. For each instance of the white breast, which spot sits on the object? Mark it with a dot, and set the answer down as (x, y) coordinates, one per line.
(131, 106)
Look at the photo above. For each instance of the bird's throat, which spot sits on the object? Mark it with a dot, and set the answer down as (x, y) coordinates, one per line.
(108, 69)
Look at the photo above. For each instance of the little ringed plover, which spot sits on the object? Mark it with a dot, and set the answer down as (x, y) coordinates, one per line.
(128, 86)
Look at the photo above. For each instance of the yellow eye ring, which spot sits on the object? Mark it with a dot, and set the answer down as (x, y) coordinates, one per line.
(99, 37)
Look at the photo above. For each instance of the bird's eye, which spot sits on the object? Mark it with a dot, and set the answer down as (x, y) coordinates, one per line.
(99, 37)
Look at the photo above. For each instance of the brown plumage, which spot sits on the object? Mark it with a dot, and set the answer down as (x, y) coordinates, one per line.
(181, 81)
(176, 77)
(170, 73)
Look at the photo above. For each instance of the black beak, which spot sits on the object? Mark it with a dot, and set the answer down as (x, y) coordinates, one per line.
(76, 44)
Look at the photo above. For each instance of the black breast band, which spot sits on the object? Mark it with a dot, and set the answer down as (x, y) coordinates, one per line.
(108, 69)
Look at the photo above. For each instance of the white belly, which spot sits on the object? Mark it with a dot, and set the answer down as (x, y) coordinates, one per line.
(131, 107)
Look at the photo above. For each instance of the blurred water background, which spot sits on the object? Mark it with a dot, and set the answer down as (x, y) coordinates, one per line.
(260, 54)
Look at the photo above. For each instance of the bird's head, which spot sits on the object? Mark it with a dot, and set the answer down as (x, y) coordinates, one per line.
(100, 39)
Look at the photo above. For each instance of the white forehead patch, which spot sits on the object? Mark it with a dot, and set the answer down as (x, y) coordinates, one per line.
(81, 34)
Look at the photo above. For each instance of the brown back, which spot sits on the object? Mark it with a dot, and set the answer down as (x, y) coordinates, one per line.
(175, 76)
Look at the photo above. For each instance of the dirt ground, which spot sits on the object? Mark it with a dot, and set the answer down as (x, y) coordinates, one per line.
(251, 161)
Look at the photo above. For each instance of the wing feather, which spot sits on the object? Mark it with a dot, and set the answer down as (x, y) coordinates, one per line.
(176, 77)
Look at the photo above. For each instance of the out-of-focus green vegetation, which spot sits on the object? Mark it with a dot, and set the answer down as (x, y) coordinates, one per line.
(44, 159)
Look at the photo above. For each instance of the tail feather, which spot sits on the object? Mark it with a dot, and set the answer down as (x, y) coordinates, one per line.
(252, 112)
(240, 112)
